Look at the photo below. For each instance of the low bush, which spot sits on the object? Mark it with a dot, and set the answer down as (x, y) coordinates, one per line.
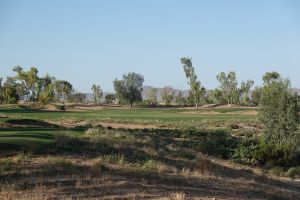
(244, 152)
(293, 172)
(113, 158)
(271, 155)
(152, 165)
(277, 171)
(23, 157)
(177, 196)
(5, 164)
(56, 165)
(215, 143)
(99, 166)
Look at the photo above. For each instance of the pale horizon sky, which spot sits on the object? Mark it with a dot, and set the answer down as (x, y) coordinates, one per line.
(87, 42)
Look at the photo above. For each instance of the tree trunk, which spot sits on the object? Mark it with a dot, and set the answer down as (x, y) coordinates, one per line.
(196, 105)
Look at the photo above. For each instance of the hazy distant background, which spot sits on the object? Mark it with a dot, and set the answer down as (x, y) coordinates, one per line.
(88, 42)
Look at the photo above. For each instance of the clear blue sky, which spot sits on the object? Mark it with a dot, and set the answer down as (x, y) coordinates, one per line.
(88, 42)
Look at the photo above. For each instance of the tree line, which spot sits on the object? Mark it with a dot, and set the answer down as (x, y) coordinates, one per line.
(129, 90)
(28, 86)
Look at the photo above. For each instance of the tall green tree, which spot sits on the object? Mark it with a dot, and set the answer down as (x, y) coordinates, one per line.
(63, 89)
(9, 91)
(228, 86)
(46, 89)
(151, 96)
(28, 81)
(192, 79)
(271, 77)
(245, 88)
(180, 99)
(256, 95)
(279, 111)
(97, 93)
(167, 94)
(130, 88)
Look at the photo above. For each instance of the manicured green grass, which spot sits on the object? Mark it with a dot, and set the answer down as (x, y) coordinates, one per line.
(19, 138)
(127, 115)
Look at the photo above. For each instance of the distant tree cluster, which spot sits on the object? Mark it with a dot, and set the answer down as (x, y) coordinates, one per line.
(29, 87)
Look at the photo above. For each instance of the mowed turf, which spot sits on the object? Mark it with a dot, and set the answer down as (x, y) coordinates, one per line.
(131, 115)
(20, 138)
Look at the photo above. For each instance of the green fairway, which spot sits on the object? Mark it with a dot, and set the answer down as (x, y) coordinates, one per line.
(130, 115)
(19, 138)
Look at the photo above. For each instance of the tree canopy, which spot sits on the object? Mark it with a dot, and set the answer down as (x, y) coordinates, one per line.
(190, 74)
(278, 111)
(97, 93)
(129, 89)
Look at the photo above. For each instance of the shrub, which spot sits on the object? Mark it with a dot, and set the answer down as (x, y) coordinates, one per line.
(277, 171)
(294, 172)
(23, 157)
(99, 165)
(5, 164)
(67, 142)
(272, 155)
(203, 165)
(177, 196)
(244, 152)
(59, 165)
(216, 143)
(152, 165)
(233, 126)
(279, 111)
(113, 158)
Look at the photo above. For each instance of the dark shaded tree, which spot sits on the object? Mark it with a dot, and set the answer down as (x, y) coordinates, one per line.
(109, 98)
(63, 89)
(9, 91)
(279, 111)
(130, 88)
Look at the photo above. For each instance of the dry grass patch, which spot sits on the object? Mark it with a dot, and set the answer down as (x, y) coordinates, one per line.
(178, 196)
(38, 192)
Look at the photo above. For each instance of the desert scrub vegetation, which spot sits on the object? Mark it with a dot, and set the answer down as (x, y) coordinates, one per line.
(153, 165)
(6, 165)
(59, 165)
(24, 157)
(178, 196)
(293, 172)
(112, 159)
(140, 145)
